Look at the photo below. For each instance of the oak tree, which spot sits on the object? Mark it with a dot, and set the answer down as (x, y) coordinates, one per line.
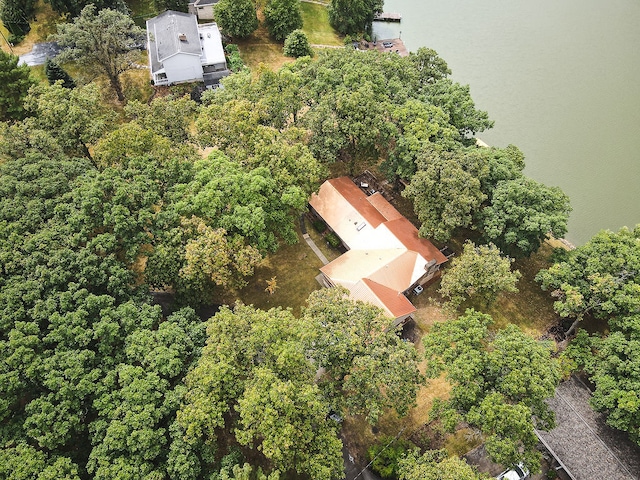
(282, 17)
(480, 272)
(102, 41)
(498, 383)
(600, 278)
(236, 18)
(353, 17)
(522, 214)
(369, 369)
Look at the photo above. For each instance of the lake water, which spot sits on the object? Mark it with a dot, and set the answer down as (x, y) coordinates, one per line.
(561, 79)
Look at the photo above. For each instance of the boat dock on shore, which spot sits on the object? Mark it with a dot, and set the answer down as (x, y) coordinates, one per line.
(387, 17)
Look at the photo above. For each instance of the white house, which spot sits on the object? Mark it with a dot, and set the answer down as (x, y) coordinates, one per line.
(203, 9)
(181, 50)
(386, 258)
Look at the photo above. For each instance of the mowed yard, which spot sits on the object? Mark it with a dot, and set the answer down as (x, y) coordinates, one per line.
(259, 48)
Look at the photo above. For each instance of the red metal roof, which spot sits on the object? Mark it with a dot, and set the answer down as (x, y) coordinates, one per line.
(395, 302)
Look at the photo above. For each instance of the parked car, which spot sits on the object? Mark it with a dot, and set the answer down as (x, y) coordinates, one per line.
(519, 472)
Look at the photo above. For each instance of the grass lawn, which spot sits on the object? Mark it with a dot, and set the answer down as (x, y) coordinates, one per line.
(41, 28)
(295, 268)
(141, 11)
(316, 25)
(260, 48)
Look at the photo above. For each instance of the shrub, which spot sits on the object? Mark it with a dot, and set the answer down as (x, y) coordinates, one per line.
(332, 239)
(234, 61)
(319, 226)
(386, 453)
(297, 45)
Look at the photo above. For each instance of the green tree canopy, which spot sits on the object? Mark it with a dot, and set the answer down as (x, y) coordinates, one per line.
(74, 7)
(74, 117)
(522, 214)
(369, 369)
(236, 17)
(480, 272)
(436, 465)
(255, 364)
(353, 17)
(102, 41)
(498, 383)
(446, 192)
(15, 81)
(177, 5)
(282, 17)
(613, 363)
(600, 278)
(16, 15)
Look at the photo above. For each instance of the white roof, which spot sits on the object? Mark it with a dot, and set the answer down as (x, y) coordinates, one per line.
(211, 40)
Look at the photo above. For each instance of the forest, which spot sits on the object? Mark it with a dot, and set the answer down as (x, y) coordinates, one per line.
(107, 200)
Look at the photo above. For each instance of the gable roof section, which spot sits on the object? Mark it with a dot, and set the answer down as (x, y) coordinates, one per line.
(354, 216)
(354, 265)
(407, 233)
(393, 303)
(163, 35)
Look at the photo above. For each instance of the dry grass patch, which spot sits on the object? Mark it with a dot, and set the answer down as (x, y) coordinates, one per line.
(358, 434)
(295, 268)
(43, 26)
(260, 48)
(462, 441)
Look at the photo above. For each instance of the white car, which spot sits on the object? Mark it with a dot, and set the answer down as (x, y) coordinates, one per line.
(519, 472)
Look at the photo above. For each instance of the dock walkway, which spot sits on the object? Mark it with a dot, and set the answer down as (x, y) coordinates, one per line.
(388, 17)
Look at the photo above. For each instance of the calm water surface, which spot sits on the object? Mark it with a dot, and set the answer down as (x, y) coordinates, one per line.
(561, 79)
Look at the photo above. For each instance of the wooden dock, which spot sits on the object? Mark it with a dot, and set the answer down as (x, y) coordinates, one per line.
(387, 17)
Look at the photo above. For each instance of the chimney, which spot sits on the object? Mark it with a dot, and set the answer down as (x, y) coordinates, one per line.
(182, 37)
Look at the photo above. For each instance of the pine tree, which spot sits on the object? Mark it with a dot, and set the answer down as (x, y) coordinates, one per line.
(15, 82)
(55, 72)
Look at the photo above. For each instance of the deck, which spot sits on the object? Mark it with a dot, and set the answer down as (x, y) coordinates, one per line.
(387, 17)
(391, 45)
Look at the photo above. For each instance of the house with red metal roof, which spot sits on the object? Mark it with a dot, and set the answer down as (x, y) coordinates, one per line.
(385, 258)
